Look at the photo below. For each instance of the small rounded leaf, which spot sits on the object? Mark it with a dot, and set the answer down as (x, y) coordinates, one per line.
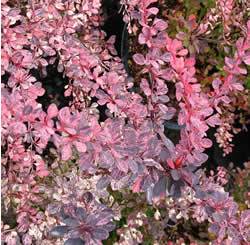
(139, 59)
(52, 111)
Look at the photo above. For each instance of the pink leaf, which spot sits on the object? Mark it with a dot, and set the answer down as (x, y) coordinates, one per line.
(216, 83)
(246, 59)
(238, 86)
(137, 184)
(160, 25)
(81, 147)
(183, 52)
(171, 164)
(153, 11)
(213, 120)
(122, 165)
(71, 131)
(229, 62)
(52, 111)
(66, 152)
(206, 143)
(42, 173)
(139, 59)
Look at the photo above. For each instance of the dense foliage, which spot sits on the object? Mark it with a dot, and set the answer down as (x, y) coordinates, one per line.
(114, 151)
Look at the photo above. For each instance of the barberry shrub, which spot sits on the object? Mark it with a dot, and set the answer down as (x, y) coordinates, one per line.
(118, 151)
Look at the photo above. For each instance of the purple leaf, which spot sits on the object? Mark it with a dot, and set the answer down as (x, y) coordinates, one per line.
(100, 234)
(81, 213)
(74, 241)
(59, 231)
(70, 222)
(159, 190)
(103, 182)
(175, 174)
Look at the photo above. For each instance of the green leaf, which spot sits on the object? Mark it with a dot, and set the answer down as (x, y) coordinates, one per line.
(247, 82)
(150, 212)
